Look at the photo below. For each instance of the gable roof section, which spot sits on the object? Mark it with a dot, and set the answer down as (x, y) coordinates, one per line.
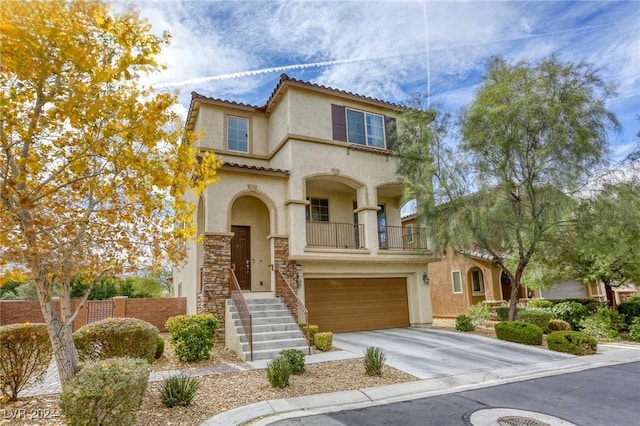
(277, 93)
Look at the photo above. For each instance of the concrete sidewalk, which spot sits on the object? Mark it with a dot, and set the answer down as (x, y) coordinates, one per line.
(267, 412)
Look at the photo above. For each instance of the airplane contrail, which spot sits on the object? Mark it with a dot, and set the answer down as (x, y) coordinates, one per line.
(429, 51)
(260, 71)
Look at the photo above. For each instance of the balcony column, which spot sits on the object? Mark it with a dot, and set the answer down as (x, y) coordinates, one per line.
(368, 216)
(297, 225)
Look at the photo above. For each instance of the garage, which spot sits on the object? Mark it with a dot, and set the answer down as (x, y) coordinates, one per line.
(354, 304)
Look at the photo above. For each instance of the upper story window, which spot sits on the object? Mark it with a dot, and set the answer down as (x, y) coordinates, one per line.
(365, 129)
(362, 128)
(237, 134)
(318, 210)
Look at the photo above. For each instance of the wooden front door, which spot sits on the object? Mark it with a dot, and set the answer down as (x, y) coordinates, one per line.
(241, 255)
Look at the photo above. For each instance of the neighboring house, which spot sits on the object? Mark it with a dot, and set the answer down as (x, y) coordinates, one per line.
(308, 195)
(572, 289)
(460, 280)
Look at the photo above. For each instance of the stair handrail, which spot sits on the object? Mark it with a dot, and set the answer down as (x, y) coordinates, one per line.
(242, 306)
(300, 305)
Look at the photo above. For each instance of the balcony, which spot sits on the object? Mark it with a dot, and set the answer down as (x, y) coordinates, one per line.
(335, 235)
(351, 236)
(400, 238)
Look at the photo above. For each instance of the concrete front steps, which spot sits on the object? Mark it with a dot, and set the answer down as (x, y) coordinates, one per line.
(274, 329)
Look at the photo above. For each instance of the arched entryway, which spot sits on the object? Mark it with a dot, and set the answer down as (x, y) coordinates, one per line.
(250, 248)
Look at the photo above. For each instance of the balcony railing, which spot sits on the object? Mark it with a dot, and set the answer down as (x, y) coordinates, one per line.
(399, 238)
(243, 308)
(337, 235)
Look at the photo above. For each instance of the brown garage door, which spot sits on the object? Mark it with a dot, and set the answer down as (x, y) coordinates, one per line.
(340, 305)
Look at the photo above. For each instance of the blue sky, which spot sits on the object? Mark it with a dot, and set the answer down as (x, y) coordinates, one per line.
(236, 50)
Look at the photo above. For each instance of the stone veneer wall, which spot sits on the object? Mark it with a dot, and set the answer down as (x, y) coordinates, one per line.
(215, 278)
(288, 269)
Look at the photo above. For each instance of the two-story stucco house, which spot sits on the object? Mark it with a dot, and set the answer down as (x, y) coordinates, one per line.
(308, 195)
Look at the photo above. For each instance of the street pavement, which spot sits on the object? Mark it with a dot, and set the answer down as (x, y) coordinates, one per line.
(446, 363)
(599, 396)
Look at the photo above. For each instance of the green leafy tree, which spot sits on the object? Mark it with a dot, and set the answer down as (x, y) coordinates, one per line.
(602, 242)
(532, 133)
(93, 163)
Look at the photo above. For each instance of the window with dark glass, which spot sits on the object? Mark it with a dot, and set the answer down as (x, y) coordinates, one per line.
(318, 210)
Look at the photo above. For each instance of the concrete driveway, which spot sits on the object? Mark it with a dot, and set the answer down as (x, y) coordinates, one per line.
(427, 353)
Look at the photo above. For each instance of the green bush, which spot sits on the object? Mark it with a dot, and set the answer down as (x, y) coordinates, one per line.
(324, 341)
(519, 332)
(159, 348)
(295, 358)
(572, 342)
(615, 319)
(192, 335)
(117, 337)
(480, 313)
(374, 359)
(278, 372)
(599, 328)
(540, 304)
(634, 330)
(313, 330)
(108, 392)
(538, 317)
(571, 312)
(558, 325)
(631, 310)
(503, 312)
(463, 323)
(179, 390)
(25, 354)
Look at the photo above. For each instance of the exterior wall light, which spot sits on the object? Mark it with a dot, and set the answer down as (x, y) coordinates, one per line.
(425, 278)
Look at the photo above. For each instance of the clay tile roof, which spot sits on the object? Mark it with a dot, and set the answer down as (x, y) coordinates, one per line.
(284, 77)
(264, 169)
(482, 255)
(196, 95)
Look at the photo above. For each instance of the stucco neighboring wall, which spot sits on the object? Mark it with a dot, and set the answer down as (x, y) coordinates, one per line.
(565, 290)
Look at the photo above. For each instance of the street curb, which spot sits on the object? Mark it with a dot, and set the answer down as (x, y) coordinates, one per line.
(267, 412)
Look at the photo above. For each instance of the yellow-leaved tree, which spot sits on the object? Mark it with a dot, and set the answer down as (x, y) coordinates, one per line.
(93, 164)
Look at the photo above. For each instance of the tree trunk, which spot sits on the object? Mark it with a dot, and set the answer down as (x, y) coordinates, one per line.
(608, 291)
(60, 336)
(513, 300)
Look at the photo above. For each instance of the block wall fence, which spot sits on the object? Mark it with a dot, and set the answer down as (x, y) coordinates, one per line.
(155, 311)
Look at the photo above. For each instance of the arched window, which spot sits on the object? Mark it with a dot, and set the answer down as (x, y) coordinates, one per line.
(477, 281)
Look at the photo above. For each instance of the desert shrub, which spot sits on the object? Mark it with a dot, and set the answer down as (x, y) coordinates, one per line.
(599, 328)
(295, 358)
(25, 354)
(634, 330)
(179, 390)
(631, 310)
(192, 335)
(538, 317)
(374, 359)
(324, 341)
(480, 313)
(278, 372)
(558, 325)
(464, 323)
(313, 330)
(519, 332)
(604, 325)
(540, 304)
(159, 348)
(572, 342)
(117, 337)
(502, 312)
(571, 312)
(106, 392)
(612, 317)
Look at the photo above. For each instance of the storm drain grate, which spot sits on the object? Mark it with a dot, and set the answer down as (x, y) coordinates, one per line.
(520, 421)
